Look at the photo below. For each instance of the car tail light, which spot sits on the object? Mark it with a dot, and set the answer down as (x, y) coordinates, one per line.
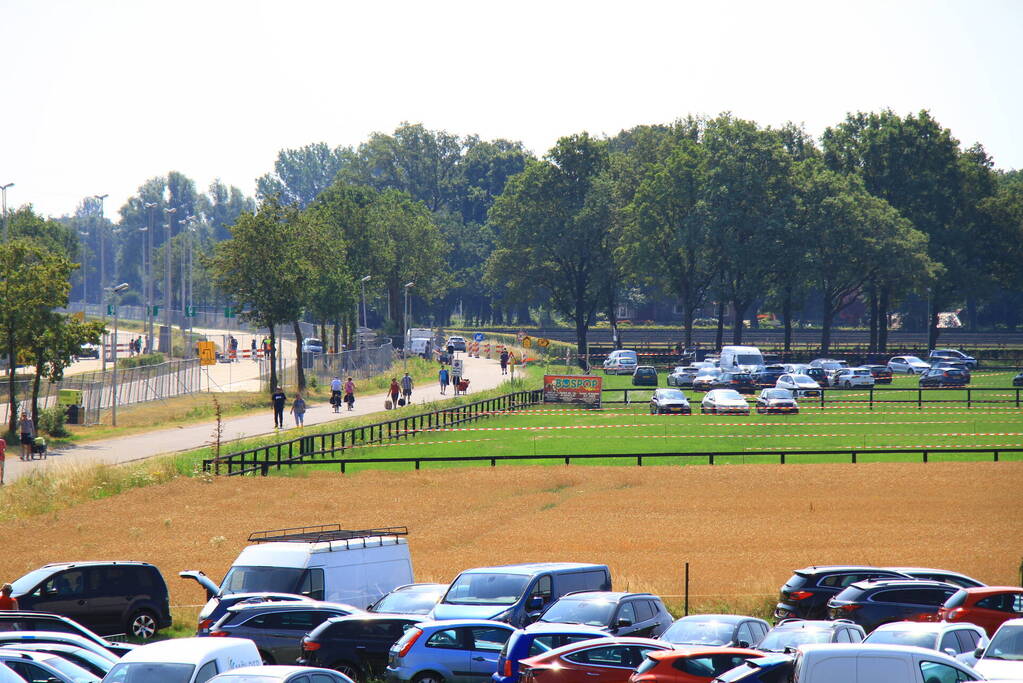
(219, 634)
(310, 646)
(205, 624)
(800, 595)
(507, 667)
(847, 608)
(953, 614)
(411, 641)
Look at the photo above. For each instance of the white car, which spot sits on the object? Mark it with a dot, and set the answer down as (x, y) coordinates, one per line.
(682, 376)
(1003, 657)
(621, 362)
(829, 364)
(864, 663)
(724, 401)
(908, 364)
(853, 377)
(705, 378)
(956, 640)
(270, 673)
(799, 385)
(796, 368)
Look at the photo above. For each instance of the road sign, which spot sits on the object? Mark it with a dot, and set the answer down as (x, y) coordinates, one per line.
(189, 311)
(110, 309)
(543, 342)
(526, 341)
(229, 312)
(207, 353)
(153, 310)
(478, 337)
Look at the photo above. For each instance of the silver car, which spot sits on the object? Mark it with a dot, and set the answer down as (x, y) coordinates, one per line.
(669, 401)
(683, 376)
(729, 401)
(800, 385)
(908, 364)
(956, 640)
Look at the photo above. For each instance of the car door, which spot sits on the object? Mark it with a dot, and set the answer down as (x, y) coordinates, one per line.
(608, 663)
(32, 672)
(108, 592)
(64, 593)
(487, 642)
(744, 635)
(447, 651)
(374, 640)
(284, 642)
(625, 622)
(990, 612)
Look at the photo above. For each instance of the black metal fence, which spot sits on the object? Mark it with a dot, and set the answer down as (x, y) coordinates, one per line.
(315, 447)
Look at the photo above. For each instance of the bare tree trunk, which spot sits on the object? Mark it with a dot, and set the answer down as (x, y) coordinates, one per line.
(36, 381)
(739, 307)
(273, 357)
(298, 354)
(719, 339)
(786, 314)
(872, 295)
(882, 319)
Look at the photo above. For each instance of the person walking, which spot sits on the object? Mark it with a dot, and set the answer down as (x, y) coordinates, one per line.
(255, 354)
(28, 435)
(298, 410)
(393, 392)
(233, 343)
(350, 393)
(504, 362)
(335, 393)
(406, 388)
(7, 603)
(443, 378)
(278, 398)
(3, 456)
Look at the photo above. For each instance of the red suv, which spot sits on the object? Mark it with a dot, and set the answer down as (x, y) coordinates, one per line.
(986, 607)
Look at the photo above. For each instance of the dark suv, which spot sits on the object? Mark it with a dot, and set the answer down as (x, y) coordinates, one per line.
(805, 595)
(107, 597)
(788, 634)
(620, 614)
(356, 645)
(742, 382)
(872, 603)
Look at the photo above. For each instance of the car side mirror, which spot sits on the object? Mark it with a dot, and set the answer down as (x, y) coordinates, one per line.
(623, 623)
(979, 652)
(534, 603)
(742, 643)
(950, 652)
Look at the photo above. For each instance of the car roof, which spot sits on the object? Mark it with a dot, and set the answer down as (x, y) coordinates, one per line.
(183, 649)
(901, 583)
(279, 669)
(556, 627)
(377, 616)
(603, 595)
(924, 626)
(600, 642)
(680, 651)
(826, 568)
(726, 618)
(58, 566)
(288, 605)
(929, 570)
(864, 648)
(807, 624)
(992, 590)
(530, 568)
(455, 623)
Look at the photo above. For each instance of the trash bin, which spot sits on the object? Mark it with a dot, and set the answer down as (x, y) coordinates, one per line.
(74, 414)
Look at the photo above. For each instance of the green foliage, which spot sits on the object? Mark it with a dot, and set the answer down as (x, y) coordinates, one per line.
(51, 421)
(141, 360)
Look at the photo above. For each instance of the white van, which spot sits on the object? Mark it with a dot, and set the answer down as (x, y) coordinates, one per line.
(183, 660)
(621, 362)
(741, 358)
(356, 567)
(862, 663)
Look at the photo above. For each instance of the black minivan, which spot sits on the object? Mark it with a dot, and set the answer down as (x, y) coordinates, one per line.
(108, 597)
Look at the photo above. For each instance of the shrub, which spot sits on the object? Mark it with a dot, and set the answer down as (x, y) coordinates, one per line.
(51, 421)
(139, 361)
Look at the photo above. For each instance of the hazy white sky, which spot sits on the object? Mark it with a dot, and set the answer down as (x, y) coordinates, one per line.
(100, 95)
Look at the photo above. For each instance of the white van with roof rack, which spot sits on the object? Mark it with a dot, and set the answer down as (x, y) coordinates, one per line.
(353, 566)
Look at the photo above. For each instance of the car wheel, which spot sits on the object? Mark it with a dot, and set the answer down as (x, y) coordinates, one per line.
(428, 677)
(266, 658)
(142, 625)
(848, 384)
(348, 669)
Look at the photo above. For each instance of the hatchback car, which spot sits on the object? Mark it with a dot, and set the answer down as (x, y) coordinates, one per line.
(1003, 657)
(806, 593)
(312, 345)
(415, 598)
(777, 401)
(705, 379)
(953, 355)
(682, 376)
(881, 373)
(690, 664)
(357, 645)
(644, 376)
(988, 607)
(43, 667)
(452, 651)
(39, 621)
(669, 401)
(724, 401)
(724, 630)
(621, 362)
(955, 640)
(788, 634)
(106, 597)
(944, 377)
(768, 375)
(907, 364)
(620, 614)
(872, 603)
(540, 638)
(829, 364)
(799, 385)
(853, 377)
(742, 382)
(277, 627)
(608, 660)
(279, 674)
(456, 343)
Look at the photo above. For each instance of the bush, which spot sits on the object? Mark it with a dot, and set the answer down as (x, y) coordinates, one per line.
(51, 421)
(139, 361)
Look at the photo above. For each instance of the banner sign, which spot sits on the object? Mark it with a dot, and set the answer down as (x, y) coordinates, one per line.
(580, 389)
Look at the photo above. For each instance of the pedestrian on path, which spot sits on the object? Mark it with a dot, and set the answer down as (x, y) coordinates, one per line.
(278, 398)
(350, 393)
(335, 393)
(406, 388)
(3, 457)
(255, 355)
(298, 410)
(504, 362)
(7, 603)
(28, 435)
(393, 392)
(443, 377)
(233, 343)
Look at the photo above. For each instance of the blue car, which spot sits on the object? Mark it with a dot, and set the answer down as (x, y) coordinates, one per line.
(455, 651)
(538, 639)
(769, 669)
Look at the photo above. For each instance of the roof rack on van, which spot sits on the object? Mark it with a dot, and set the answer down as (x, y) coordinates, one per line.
(323, 533)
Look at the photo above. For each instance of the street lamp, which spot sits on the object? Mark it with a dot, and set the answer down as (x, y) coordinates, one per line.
(167, 279)
(357, 335)
(85, 272)
(102, 263)
(149, 285)
(116, 292)
(3, 190)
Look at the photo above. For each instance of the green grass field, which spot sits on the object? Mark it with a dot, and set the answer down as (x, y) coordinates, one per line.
(842, 423)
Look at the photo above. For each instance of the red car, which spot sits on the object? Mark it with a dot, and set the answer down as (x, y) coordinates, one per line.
(601, 660)
(691, 664)
(986, 607)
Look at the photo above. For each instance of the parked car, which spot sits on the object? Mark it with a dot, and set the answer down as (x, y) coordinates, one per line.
(724, 630)
(621, 362)
(742, 382)
(669, 401)
(43, 640)
(682, 376)
(312, 345)
(280, 674)
(727, 401)
(1017, 381)
(788, 634)
(183, 660)
(951, 365)
(852, 377)
(806, 593)
(95, 664)
(690, 664)
(88, 350)
(541, 637)
(770, 669)
(776, 401)
(829, 364)
(356, 645)
(456, 651)
(768, 375)
(106, 597)
(799, 385)
(876, 602)
(1003, 657)
(908, 364)
(819, 375)
(988, 606)
(609, 660)
(457, 343)
(954, 578)
(21, 621)
(620, 614)
(944, 377)
(277, 627)
(952, 355)
(43, 667)
(414, 598)
(956, 640)
(706, 378)
(881, 373)
(862, 663)
(644, 376)
(213, 610)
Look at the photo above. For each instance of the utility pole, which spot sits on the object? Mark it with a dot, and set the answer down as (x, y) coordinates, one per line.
(100, 232)
(149, 287)
(3, 190)
(186, 226)
(116, 296)
(167, 279)
(358, 337)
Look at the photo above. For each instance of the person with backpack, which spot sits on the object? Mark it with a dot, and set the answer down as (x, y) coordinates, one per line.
(504, 362)
(443, 378)
(28, 435)
(335, 393)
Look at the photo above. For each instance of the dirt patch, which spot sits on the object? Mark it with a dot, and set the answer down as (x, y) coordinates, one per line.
(741, 528)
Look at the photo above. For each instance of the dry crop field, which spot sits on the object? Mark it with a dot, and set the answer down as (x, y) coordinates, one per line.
(743, 529)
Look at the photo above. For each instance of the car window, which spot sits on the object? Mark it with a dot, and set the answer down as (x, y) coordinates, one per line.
(950, 642)
(936, 672)
(322, 678)
(709, 666)
(489, 639)
(312, 584)
(745, 634)
(644, 609)
(843, 636)
(968, 640)
(33, 673)
(66, 584)
(609, 655)
(301, 679)
(839, 580)
(1004, 602)
(542, 588)
(448, 638)
(206, 672)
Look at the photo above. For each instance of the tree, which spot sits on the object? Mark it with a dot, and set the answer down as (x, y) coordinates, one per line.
(300, 175)
(54, 347)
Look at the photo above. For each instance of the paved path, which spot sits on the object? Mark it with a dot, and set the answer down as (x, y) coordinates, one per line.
(483, 373)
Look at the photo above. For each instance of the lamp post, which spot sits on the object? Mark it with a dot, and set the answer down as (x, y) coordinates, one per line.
(186, 224)
(116, 294)
(149, 287)
(100, 233)
(358, 337)
(85, 273)
(3, 190)
(167, 278)
(191, 298)
(405, 315)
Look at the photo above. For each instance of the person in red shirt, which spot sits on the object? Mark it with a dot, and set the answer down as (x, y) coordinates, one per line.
(6, 601)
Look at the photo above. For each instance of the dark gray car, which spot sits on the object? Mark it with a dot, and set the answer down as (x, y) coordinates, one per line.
(620, 614)
(724, 630)
(277, 627)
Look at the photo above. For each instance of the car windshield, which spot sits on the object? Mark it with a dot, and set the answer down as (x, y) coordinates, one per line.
(698, 632)
(802, 379)
(749, 359)
(73, 672)
(778, 393)
(1007, 644)
(150, 672)
(673, 394)
(30, 581)
(589, 612)
(728, 395)
(913, 359)
(260, 579)
(486, 589)
(910, 637)
(409, 601)
(709, 372)
(777, 641)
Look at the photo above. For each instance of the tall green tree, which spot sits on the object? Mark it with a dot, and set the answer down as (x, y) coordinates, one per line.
(54, 346)
(300, 175)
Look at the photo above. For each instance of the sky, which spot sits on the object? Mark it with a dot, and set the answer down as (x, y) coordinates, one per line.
(100, 95)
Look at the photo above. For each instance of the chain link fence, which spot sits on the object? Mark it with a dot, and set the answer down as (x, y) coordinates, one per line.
(357, 363)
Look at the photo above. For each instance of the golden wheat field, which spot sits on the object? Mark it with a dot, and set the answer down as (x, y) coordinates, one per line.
(741, 528)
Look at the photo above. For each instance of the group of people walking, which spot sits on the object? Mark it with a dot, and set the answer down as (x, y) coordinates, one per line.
(404, 388)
